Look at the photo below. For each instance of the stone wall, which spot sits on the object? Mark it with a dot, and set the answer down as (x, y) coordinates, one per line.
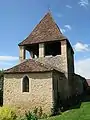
(22, 53)
(40, 91)
(70, 61)
(60, 88)
(77, 84)
(59, 61)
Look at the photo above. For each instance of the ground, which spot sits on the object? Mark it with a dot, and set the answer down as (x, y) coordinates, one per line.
(82, 113)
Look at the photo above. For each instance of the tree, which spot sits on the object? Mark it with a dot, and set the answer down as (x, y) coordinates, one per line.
(1, 86)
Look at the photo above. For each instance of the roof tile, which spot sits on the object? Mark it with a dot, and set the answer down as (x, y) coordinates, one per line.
(29, 66)
(46, 30)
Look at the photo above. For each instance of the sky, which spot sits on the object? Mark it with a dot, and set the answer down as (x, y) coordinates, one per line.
(19, 17)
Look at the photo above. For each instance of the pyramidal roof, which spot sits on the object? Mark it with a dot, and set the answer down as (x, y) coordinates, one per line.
(46, 30)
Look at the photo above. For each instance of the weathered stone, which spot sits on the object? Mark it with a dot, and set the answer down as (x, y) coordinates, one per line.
(39, 95)
(22, 53)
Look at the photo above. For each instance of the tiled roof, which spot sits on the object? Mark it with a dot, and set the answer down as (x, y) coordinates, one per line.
(29, 66)
(46, 30)
(55, 61)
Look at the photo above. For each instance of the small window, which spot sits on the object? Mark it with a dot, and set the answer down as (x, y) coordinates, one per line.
(25, 84)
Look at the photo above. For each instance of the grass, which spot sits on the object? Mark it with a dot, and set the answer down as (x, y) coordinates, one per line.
(82, 113)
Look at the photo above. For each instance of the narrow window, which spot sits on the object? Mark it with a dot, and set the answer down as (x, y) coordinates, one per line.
(25, 84)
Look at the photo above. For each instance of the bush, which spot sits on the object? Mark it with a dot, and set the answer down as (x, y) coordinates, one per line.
(7, 113)
(30, 116)
(35, 115)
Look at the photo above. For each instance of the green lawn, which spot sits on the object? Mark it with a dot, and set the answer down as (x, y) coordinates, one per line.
(82, 113)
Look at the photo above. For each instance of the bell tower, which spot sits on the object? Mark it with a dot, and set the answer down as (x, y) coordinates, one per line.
(47, 44)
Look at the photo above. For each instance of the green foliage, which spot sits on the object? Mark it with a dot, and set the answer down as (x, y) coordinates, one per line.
(30, 116)
(1, 78)
(1, 73)
(1, 86)
(7, 113)
(82, 113)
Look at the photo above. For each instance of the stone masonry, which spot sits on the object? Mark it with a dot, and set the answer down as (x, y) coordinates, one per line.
(39, 95)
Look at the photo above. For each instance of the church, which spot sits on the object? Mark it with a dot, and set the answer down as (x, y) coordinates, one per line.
(47, 77)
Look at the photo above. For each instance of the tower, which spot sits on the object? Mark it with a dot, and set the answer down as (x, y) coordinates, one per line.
(47, 44)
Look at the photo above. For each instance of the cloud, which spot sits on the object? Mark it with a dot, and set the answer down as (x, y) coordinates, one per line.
(69, 6)
(7, 64)
(8, 58)
(82, 67)
(7, 61)
(83, 3)
(80, 47)
(68, 27)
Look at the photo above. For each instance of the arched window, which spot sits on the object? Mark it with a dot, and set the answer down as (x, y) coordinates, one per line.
(25, 84)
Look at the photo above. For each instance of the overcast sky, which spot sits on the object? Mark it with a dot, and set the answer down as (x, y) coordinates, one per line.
(19, 17)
